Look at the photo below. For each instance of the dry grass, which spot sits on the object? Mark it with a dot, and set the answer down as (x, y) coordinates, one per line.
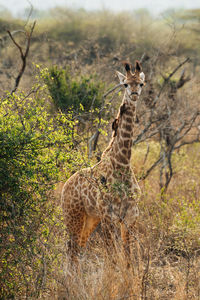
(165, 255)
(155, 273)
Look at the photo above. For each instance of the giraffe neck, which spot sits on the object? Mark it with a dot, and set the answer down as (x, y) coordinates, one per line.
(119, 149)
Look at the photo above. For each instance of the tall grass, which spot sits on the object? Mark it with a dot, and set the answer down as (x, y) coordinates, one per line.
(165, 255)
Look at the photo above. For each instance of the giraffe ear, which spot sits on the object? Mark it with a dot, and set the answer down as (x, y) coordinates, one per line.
(121, 77)
(138, 67)
(127, 67)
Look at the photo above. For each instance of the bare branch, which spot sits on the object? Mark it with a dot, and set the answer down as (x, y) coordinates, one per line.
(197, 140)
(93, 137)
(24, 55)
(156, 163)
(147, 153)
(111, 90)
(30, 13)
(182, 80)
(166, 80)
(16, 44)
(190, 123)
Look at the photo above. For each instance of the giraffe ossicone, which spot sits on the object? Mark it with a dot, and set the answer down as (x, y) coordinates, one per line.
(108, 191)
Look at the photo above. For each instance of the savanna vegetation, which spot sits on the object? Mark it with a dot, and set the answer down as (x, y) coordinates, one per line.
(57, 103)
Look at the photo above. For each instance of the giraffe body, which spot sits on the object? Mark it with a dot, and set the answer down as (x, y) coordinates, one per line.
(108, 191)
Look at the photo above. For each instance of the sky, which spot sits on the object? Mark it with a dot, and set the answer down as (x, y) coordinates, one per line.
(155, 6)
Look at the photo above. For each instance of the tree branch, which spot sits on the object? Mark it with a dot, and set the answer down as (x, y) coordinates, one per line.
(23, 55)
(166, 80)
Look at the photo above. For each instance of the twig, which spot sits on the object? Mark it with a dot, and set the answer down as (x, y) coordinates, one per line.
(30, 13)
(145, 277)
(95, 136)
(24, 55)
(146, 155)
(168, 78)
(152, 167)
(110, 91)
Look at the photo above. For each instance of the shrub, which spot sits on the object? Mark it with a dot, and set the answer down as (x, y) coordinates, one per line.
(80, 93)
(34, 145)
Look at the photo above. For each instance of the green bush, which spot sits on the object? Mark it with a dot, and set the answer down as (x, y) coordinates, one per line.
(80, 93)
(34, 146)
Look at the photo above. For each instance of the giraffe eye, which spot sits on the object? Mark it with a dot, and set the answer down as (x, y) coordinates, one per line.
(141, 84)
(126, 85)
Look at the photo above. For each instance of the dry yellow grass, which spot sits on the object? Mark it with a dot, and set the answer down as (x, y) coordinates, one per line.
(165, 257)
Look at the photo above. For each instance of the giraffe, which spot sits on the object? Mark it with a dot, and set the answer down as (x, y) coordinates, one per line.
(107, 192)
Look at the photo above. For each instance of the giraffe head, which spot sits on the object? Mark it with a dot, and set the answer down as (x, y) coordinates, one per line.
(133, 82)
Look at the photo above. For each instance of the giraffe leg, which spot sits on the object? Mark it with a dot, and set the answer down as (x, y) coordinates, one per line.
(108, 236)
(73, 249)
(126, 238)
(90, 223)
(74, 224)
(79, 236)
